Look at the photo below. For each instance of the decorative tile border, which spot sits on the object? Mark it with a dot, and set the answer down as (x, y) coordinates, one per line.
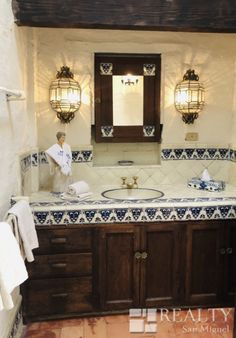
(167, 154)
(17, 322)
(78, 156)
(25, 163)
(196, 154)
(233, 155)
(139, 213)
(88, 202)
(34, 159)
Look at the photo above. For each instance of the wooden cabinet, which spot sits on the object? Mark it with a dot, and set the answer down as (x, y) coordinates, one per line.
(118, 268)
(140, 265)
(168, 264)
(113, 267)
(211, 262)
(60, 279)
(162, 269)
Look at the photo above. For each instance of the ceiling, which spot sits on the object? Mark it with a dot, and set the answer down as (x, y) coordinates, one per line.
(162, 15)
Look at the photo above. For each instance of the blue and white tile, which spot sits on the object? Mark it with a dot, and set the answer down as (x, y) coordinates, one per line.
(34, 159)
(195, 154)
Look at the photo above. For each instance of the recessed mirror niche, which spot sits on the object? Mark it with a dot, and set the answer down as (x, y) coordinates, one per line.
(127, 108)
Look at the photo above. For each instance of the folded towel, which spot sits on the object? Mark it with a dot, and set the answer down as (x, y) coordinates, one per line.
(62, 156)
(26, 226)
(78, 188)
(69, 197)
(12, 268)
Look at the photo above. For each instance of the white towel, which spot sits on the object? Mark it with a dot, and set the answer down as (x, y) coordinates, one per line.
(26, 227)
(62, 156)
(12, 268)
(78, 188)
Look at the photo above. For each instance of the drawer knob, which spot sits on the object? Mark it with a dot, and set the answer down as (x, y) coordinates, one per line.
(144, 255)
(222, 251)
(229, 251)
(59, 295)
(138, 255)
(58, 240)
(58, 265)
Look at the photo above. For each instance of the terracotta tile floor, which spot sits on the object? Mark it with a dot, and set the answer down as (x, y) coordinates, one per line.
(211, 323)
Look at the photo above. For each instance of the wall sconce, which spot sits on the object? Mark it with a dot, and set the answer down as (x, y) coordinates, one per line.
(189, 97)
(65, 95)
(129, 80)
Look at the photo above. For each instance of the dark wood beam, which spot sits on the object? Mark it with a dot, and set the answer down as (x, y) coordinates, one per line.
(166, 15)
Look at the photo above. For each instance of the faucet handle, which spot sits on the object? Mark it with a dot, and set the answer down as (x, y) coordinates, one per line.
(135, 185)
(123, 182)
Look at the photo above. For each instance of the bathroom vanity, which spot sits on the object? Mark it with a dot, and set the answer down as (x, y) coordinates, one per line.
(107, 256)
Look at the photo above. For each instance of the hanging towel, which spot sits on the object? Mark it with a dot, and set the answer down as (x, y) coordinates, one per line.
(79, 188)
(26, 226)
(62, 156)
(12, 268)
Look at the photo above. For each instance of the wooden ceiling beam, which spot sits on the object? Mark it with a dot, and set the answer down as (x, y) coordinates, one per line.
(166, 15)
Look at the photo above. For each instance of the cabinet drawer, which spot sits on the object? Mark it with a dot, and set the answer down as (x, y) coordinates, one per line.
(61, 265)
(58, 296)
(64, 240)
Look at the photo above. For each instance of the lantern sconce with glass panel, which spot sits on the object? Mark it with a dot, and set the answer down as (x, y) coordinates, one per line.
(189, 97)
(65, 95)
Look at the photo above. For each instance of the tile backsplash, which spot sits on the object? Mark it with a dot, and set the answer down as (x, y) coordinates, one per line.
(177, 165)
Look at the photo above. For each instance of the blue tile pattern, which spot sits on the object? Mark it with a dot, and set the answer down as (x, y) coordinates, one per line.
(140, 213)
(78, 156)
(107, 131)
(25, 163)
(196, 154)
(148, 131)
(82, 156)
(18, 320)
(232, 155)
(34, 159)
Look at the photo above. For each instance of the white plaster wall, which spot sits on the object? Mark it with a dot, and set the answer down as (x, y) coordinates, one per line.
(17, 120)
(211, 55)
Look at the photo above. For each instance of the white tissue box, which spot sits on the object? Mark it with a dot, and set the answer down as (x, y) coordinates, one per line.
(211, 185)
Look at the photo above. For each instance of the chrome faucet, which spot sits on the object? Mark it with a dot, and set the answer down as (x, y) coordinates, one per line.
(129, 185)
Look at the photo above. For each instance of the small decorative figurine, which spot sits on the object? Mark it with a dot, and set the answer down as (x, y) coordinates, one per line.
(60, 157)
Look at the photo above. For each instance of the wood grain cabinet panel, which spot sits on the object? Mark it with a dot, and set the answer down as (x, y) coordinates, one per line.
(211, 261)
(59, 296)
(162, 269)
(118, 267)
(61, 265)
(64, 240)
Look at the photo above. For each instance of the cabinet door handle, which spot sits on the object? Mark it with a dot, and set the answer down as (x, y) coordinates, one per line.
(59, 295)
(144, 255)
(58, 265)
(222, 251)
(138, 255)
(229, 251)
(58, 240)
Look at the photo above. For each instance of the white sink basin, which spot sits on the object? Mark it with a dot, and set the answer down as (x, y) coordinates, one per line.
(132, 194)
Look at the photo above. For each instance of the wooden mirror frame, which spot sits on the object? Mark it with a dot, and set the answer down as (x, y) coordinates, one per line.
(108, 64)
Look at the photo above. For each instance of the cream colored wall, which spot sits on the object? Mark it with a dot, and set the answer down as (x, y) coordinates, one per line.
(211, 55)
(17, 121)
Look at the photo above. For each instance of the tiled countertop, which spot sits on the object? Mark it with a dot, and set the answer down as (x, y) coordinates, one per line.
(178, 203)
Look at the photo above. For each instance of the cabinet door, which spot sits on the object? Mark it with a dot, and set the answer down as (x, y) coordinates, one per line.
(230, 261)
(119, 270)
(205, 241)
(161, 271)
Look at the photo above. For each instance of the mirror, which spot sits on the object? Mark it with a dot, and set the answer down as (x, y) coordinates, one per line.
(127, 97)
